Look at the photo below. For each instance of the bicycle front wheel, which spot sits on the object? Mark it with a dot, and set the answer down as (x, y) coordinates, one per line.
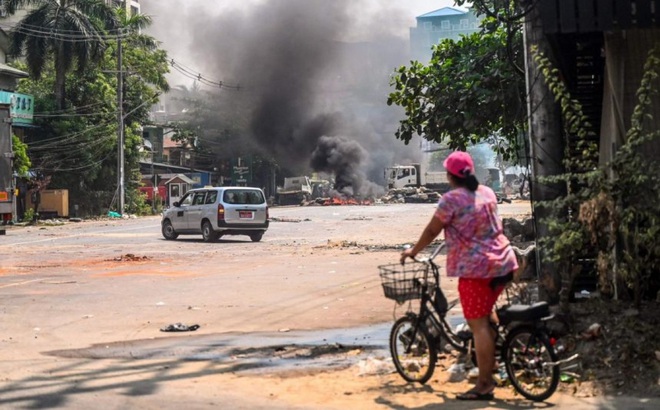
(528, 357)
(413, 351)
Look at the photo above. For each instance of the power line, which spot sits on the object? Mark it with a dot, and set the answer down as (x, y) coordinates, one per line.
(64, 110)
(193, 74)
(58, 34)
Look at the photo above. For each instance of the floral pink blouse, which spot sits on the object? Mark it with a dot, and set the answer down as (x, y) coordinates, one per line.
(476, 246)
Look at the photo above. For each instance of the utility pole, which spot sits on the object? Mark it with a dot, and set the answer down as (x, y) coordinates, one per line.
(120, 127)
(546, 146)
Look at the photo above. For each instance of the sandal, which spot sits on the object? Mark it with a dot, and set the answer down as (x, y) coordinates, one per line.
(475, 395)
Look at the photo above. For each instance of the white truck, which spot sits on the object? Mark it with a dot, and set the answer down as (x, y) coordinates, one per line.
(294, 191)
(401, 176)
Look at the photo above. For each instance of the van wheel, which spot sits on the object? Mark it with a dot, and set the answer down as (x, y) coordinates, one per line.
(168, 231)
(256, 237)
(208, 233)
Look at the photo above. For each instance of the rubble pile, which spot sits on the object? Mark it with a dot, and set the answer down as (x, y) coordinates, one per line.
(410, 195)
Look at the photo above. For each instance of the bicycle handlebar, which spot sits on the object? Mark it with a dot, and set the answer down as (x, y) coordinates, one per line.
(429, 259)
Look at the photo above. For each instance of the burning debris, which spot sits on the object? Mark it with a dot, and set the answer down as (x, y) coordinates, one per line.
(339, 200)
(409, 195)
(343, 158)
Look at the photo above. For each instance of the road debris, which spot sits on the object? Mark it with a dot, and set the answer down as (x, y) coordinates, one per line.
(179, 327)
(372, 366)
(129, 257)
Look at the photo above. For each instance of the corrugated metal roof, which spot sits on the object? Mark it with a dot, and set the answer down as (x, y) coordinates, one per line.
(444, 12)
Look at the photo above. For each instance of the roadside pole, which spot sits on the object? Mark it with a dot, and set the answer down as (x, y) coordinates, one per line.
(7, 198)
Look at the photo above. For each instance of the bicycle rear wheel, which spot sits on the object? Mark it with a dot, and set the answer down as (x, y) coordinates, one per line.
(413, 351)
(527, 353)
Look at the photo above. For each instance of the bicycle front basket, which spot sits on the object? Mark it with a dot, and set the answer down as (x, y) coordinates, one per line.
(400, 281)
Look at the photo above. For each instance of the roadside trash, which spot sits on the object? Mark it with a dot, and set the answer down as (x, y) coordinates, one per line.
(113, 214)
(566, 378)
(374, 367)
(501, 376)
(593, 332)
(473, 373)
(179, 327)
(457, 372)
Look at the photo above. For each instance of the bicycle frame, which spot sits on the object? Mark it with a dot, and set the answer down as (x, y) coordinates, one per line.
(521, 334)
(428, 309)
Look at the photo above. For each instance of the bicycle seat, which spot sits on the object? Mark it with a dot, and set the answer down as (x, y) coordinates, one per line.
(523, 313)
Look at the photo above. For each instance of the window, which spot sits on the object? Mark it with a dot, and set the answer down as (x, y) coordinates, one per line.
(428, 25)
(445, 25)
(199, 198)
(211, 197)
(241, 197)
(464, 24)
(174, 190)
(186, 200)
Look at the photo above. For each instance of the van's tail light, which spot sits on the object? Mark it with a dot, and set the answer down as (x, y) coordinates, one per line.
(221, 213)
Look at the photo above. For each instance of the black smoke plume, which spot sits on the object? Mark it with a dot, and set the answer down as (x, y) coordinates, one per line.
(302, 79)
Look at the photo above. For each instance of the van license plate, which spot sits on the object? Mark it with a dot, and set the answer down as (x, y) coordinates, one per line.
(245, 214)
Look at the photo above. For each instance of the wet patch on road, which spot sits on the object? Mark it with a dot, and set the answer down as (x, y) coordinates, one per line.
(279, 352)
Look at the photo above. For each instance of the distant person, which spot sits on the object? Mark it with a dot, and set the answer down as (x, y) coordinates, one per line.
(478, 251)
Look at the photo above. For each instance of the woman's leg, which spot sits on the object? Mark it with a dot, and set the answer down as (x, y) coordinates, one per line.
(484, 345)
(478, 299)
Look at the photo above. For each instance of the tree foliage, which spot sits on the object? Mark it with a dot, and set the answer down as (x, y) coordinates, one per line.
(21, 163)
(65, 32)
(467, 93)
(77, 145)
(606, 210)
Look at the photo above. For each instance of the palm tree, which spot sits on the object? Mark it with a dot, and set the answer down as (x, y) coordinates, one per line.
(68, 31)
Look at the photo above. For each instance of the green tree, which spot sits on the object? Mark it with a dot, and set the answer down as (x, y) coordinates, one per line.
(66, 31)
(468, 92)
(21, 163)
(77, 146)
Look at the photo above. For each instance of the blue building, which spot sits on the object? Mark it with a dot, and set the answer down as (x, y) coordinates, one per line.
(435, 26)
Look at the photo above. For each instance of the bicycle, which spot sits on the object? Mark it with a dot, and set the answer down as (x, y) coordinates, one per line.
(522, 340)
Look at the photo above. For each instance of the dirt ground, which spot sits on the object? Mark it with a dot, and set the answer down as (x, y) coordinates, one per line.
(296, 321)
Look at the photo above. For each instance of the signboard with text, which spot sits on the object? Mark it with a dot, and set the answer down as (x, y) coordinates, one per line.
(241, 171)
(21, 106)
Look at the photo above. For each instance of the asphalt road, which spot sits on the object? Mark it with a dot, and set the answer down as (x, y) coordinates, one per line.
(82, 306)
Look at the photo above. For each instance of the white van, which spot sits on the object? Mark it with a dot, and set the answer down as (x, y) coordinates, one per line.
(218, 211)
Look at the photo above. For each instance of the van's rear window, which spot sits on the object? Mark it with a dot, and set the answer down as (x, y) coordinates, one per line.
(243, 197)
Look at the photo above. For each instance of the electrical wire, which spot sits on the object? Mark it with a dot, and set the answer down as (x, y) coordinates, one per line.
(194, 75)
(58, 34)
(64, 110)
(75, 36)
